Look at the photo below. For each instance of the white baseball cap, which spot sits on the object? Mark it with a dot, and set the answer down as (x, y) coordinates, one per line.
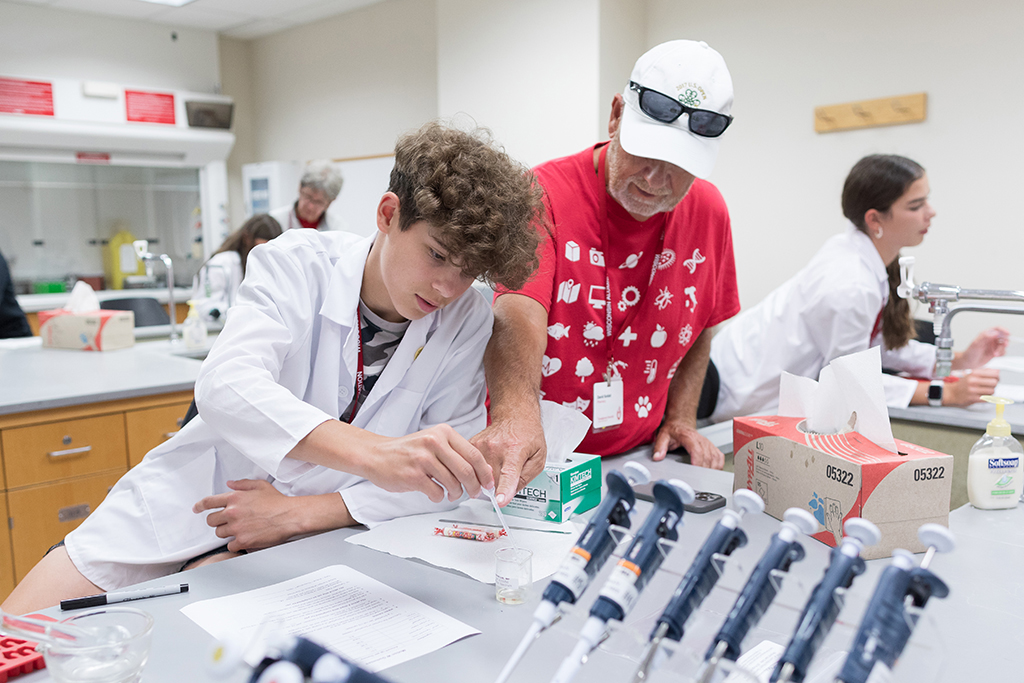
(692, 73)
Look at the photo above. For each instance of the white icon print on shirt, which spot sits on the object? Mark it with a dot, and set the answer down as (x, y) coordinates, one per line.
(691, 263)
(666, 258)
(592, 334)
(627, 336)
(568, 291)
(558, 331)
(686, 334)
(642, 407)
(596, 257)
(584, 368)
(663, 299)
(572, 251)
(550, 366)
(596, 298)
(659, 337)
(672, 370)
(580, 404)
(630, 297)
(692, 293)
(631, 261)
(651, 368)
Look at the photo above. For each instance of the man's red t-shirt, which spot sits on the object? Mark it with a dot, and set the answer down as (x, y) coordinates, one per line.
(658, 309)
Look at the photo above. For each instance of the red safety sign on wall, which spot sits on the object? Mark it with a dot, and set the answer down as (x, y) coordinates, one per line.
(26, 97)
(149, 107)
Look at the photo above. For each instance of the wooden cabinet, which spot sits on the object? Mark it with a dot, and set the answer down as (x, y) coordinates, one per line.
(150, 427)
(59, 464)
(42, 515)
(6, 557)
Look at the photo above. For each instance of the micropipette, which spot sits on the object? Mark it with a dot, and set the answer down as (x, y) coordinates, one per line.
(639, 563)
(307, 658)
(887, 624)
(592, 550)
(698, 581)
(759, 590)
(823, 607)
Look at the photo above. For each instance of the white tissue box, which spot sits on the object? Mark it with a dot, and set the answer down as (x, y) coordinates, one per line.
(99, 330)
(560, 491)
(838, 476)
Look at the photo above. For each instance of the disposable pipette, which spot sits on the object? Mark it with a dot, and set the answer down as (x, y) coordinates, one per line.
(639, 563)
(823, 607)
(56, 632)
(759, 590)
(592, 550)
(887, 624)
(698, 581)
(501, 517)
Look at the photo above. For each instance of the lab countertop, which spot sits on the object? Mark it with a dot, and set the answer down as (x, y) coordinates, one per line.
(33, 303)
(953, 642)
(34, 378)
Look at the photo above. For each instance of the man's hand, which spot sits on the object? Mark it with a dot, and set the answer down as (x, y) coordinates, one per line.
(970, 388)
(516, 451)
(427, 460)
(986, 346)
(253, 515)
(702, 452)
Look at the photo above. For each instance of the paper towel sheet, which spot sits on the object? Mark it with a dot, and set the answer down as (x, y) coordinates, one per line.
(413, 537)
(564, 429)
(848, 395)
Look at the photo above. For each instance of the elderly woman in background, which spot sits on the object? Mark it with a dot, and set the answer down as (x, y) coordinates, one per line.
(319, 186)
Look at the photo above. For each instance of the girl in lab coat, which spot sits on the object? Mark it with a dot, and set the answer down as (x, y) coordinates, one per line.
(216, 283)
(845, 301)
(291, 438)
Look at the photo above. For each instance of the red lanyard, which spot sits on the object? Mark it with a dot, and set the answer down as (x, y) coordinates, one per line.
(612, 370)
(359, 369)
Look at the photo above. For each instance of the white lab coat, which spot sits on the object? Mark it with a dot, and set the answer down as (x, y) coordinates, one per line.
(284, 364)
(215, 286)
(826, 310)
(285, 215)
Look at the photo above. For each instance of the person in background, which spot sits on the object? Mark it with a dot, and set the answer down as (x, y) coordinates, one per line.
(845, 301)
(217, 281)
(638, 270)
(344, 385)
(12, 319)
(319, 186)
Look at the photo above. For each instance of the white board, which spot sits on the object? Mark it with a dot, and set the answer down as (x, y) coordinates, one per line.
(364, 181)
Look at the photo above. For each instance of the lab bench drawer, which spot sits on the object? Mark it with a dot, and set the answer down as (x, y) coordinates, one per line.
(150, 427)
(42, 515)
(6, 559)
(57, 450)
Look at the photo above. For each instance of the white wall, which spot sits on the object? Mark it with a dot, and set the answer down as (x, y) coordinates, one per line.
(45, 43)
(782, 181)
(528, 70)
(341, 87)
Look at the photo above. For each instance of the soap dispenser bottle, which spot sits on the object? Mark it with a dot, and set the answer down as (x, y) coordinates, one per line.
(193, 330)
(994, 468)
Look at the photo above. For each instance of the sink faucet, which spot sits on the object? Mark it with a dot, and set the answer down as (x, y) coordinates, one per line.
(938, 298)
(144, 255)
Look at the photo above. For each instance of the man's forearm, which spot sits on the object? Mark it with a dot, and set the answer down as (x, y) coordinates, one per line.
(512, 361)
(685, 388)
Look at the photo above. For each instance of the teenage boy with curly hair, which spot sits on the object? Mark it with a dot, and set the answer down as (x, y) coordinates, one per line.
(343, 388)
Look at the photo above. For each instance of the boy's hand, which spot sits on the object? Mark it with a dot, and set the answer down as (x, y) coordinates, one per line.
(427, 460)
(516, 450)
(253, 515)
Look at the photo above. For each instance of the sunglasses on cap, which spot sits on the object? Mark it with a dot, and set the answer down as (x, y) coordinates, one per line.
(661, 107)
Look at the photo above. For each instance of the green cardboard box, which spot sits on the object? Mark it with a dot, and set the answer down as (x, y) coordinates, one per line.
(561, 490)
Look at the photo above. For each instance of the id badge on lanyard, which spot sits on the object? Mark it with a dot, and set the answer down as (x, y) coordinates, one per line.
(608, 394)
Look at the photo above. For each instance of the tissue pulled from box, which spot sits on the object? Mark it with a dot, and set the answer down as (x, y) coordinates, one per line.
(848, 395)
(82, 300)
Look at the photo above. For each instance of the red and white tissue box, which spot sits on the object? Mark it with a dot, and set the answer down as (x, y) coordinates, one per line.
(99, 330)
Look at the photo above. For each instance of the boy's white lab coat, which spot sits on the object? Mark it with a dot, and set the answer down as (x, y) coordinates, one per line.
(284, 364)
(825, 311)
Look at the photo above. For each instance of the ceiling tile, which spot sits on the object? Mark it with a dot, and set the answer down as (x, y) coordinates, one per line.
(257, 8)
(258, 28)
(195, 15)
(132, 9)
(323, 9)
